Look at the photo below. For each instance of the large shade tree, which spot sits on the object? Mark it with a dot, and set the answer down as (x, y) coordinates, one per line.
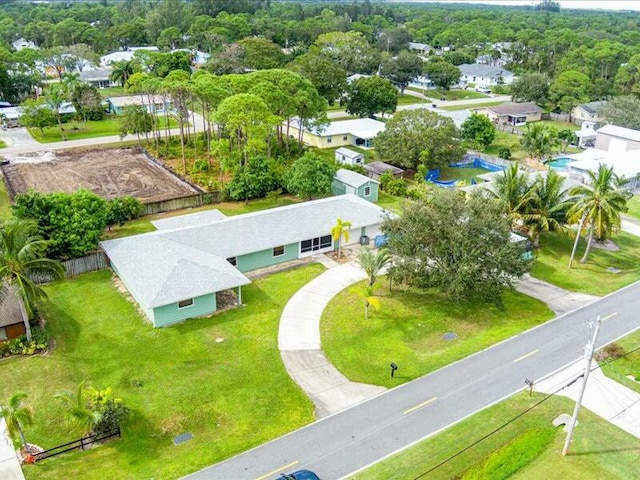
(367, 96)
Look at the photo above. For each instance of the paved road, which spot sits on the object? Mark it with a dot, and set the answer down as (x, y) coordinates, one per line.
(341, 444)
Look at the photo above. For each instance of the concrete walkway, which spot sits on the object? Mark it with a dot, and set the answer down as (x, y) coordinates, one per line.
(630, 225)
(557, 299)
(9, 465)
(299, 343)
(604, 397)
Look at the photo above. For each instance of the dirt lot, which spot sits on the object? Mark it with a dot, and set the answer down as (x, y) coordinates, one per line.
(107, 172)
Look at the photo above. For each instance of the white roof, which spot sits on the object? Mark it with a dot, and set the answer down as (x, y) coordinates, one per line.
(615, 131)
(356, 76)
(359, 127)
(167, 266)
(625, 164)
(353, 179)
(135, 100)
(588, 154)
(348, 153)
(189, 220)
(109, 58)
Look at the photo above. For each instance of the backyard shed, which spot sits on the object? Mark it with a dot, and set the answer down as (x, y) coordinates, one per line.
(344, 156)
(347, 181)
(375, 169)
(12, 317)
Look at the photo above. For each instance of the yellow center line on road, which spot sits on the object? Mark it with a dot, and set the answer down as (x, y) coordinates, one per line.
(526, 355)
(423, 404)
(277, 470)
(609, 316)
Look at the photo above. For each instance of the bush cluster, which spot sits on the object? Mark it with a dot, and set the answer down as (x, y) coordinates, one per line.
(21, 346)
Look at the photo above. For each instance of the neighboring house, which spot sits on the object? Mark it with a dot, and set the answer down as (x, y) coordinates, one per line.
(12, 317)
(421, 48)
(158, 105)
(175, 274)
(512, 113)
(356, 76)
(344, 156)
(99, 78)
(611, 138)
(375, 169)
(346, 181)
(490, 60)
(587, 112)
(191, 220)
(484, 75)
(359, 132)
(624, 164)
(23, 43)
(121, 55)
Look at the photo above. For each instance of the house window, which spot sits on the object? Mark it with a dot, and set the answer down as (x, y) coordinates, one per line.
(315, 244)
(345, 138)
(185, 303)
(233, 261)
(367, 191)
(3, 334)
(278, 251)
(328, 139)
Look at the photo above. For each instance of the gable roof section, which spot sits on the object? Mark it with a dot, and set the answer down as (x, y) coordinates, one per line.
(357, 127)
(348, 153)
(189, 220)
(353, 179)
(96, 75)
(515, 108)
(592, 107)
(621, 132)
(482, 70)
(382, 167)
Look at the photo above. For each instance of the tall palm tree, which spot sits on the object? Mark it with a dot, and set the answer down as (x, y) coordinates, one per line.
(372, 262)
(341, 229)
(17, 416)
(545, 205)
(599, 206)
(22, 253)
(540, 141)
(79, 411)
(54, 98)
(121, 71)
(511, 188)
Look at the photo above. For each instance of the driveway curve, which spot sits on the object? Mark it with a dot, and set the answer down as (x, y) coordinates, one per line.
(300, 346)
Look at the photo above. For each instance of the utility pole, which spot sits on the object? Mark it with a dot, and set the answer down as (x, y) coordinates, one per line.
(589, 350)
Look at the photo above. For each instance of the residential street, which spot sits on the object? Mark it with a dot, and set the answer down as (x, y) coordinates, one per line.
(339, 445)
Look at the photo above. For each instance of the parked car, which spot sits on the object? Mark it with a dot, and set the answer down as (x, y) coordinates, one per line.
(483, 89)
(300, 475)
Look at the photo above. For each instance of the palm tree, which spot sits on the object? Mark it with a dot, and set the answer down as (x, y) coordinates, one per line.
(22, 253)
(79, 411)
(368, 294)
(55, 97)
(545, 206)
(341, 229)
(540, 141)
(511, 188)
(372, 262)
(121, 71)
(599, 206)
(17, 416)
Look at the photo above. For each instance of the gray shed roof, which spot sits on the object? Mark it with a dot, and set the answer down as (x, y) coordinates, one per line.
(381, 167)
(349, 153)
(515, 108)
(189, 220)
(167, 266)
(353, 179)
(10, 311)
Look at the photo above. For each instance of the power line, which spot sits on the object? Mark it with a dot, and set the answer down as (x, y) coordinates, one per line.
(483, 438)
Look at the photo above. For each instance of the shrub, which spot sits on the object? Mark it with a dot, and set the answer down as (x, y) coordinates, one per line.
(113, 413)
(501, 89)
(200, 166)
(611, 351)
(392, 185)
(510, 458)
(504, 152)
(21, 346)
(123, 209)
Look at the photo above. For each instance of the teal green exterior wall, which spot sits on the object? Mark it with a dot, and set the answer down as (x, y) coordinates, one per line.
(338, 188)
(168, 314)
(265, 258)
(373, 195)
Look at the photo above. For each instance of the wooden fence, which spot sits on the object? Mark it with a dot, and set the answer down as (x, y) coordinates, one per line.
(561, 117)
(189, 201)
(75, 445)
(509, 129)
(89, 263)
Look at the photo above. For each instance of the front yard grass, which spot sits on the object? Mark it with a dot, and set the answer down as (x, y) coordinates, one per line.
(634, 207)
(471, 105)
(220, 378)
(621, 368)
(408, 330)
(599, 449)
(552, 260)
(5, 205)
(449, 94)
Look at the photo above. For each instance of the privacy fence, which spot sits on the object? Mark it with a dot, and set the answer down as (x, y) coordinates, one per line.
(89, 263)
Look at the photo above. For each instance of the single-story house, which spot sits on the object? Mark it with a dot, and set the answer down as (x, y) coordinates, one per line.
(347, 181)
(359, 132)
(12, 317)
(612, 138)
(191, 220)
(121, 55)
(158, 105)
(418, 47)
(487, 59)
(99, 78)
(175, 274)
(587, 112)
(344, 156)
(624, 164)
(375, 169)
(512, 113)
(484, 75)
(23, 43)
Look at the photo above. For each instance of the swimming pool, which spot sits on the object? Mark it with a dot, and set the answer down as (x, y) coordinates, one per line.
(560, 163)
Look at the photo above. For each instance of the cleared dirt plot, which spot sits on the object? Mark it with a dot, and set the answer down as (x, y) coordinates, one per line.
(107, 172)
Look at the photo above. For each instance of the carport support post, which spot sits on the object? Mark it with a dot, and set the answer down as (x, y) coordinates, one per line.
(239, 295)
(589, 350)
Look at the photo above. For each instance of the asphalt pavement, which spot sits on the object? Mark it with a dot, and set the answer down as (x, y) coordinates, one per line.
(339, 445)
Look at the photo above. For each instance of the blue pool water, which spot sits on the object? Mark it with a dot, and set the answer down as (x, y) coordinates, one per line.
(560, 163)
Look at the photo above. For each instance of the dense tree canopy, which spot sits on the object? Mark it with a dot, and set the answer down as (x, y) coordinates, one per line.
(310, 176)
(367, 96)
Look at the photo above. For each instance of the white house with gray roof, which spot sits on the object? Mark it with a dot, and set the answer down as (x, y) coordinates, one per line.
(174, 274)
(484, 75)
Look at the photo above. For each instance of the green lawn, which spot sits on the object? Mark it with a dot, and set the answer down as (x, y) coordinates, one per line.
(634, 207)
(408, 330)
(111, 92)
(552, 261)
(408, 99)
(599, 449)
(5, 205)
(78, 129)
(143, 225)
(2, 144)
(626, 366)
(231, 394)
(471, 105)
(390, 202)
(561, 125)
(449, 94)
(509, 140)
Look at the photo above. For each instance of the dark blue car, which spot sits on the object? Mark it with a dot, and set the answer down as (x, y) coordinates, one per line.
(301, 475)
